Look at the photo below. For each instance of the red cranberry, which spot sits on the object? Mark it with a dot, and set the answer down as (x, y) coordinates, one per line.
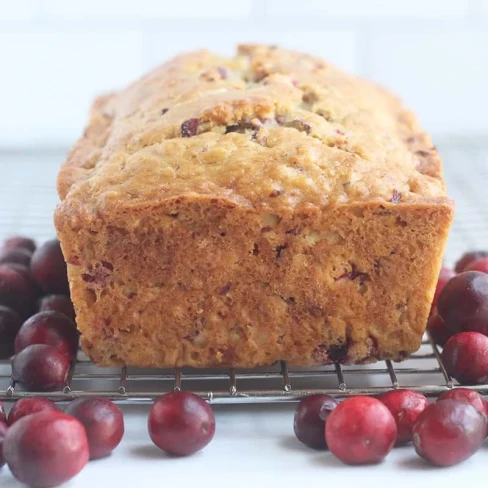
(465, 357)
(58, 303)
(16, 292)
(189, 128)
(310, 417)
(437, 329)
(448, 432)
(103, 421)
(40, 368)
(46, 449)
(468, 258)
(361, 430)
(480, 265)
(3, 415)
(26, 273)
(49, 268)
(468, 396)
(28, 406)
(444, 276)
(22, 242)
(3, 433)
(405, 406)
(463, 303)
(51, 328)
(15, 255)
(181, 423)
(10, 323)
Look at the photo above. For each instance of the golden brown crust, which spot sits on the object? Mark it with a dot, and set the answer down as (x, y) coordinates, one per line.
(240, 211)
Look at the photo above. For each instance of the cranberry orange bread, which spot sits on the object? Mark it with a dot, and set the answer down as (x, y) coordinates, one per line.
(235, 212)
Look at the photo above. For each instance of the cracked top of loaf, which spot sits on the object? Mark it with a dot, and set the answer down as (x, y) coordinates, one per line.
(267, 128)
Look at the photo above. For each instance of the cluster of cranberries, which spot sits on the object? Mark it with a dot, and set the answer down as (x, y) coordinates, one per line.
(459, 318)
(37, 317)
(42, 445)
(363, 430)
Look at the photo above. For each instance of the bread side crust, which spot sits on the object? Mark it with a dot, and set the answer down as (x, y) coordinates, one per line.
(205, 282)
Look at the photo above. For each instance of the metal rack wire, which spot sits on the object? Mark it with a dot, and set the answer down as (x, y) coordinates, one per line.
(423, 372)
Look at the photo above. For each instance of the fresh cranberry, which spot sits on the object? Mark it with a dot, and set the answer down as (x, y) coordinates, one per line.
(405, 406)
(480, 265)
(46, 449)
(3, 415)
(103, 421)
(28, 406)
(310, 417)
(463, 303)
(465, 357)
(444, 276)
(10, 323)
(26, 273)
(40, 367)
(3, 433)
(181, 423)
(468, 258)
(437, 329)
(49, 268)
(468, 396)
(448, 432)
(361, 430)
(16, 292)
(51, 328)
(15, 255)
(58, 303)
(22, 242)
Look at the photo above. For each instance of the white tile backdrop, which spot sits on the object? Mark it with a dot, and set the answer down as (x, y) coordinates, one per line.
(56, 55)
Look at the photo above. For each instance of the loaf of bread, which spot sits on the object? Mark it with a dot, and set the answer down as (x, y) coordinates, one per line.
(239, 211)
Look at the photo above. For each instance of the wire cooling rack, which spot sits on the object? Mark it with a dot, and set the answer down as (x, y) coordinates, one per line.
(27, 201)
(423, 372)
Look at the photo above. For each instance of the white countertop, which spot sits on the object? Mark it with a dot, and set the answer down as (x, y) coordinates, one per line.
(255, 446)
